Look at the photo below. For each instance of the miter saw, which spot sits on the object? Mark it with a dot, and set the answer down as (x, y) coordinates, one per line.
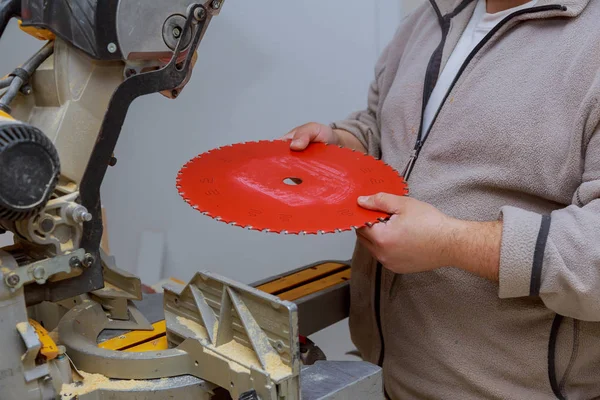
(73, 325)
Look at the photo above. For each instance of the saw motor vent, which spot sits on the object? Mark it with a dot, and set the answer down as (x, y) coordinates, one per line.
(29, 170)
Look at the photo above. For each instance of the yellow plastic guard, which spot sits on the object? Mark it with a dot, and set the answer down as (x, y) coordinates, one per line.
(160, 343)
(135, 338)
(49, 349)
(38, 33)
(4, 115)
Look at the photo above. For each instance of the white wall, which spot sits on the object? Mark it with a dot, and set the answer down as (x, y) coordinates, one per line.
(263, 69)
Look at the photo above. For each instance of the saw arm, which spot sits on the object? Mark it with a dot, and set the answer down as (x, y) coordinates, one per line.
(74, 96)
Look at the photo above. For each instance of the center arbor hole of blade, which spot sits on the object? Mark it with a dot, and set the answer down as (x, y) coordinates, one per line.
(291, 181)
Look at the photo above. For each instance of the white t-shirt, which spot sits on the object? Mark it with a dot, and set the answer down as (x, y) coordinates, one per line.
(481, 24)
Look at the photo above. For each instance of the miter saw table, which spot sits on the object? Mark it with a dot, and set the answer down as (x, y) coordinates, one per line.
(181, 313)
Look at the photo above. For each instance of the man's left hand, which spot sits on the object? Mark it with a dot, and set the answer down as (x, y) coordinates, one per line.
(418, 238)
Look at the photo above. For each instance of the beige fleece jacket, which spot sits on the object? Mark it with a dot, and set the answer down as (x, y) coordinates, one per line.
(517, 138)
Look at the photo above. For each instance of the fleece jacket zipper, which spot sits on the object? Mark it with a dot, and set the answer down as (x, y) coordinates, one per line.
(431, 76)
(435, 61)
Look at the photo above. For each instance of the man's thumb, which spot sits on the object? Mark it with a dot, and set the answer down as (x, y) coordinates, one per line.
(381, 202)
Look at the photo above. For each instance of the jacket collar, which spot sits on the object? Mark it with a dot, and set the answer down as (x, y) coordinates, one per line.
(573, 7)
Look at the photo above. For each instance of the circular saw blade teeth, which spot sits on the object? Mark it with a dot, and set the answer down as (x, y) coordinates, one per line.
(266, 187)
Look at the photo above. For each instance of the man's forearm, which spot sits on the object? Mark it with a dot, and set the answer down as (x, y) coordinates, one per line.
(346, 139)
(475, 247)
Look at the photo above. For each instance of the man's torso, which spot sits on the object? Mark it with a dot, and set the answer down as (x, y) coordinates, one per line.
(511, 132)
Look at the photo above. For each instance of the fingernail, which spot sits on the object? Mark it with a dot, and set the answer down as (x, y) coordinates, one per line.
(295, 142)
(363, 199)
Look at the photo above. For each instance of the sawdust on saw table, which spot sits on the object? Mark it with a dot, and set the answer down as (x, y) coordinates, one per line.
(240, 357)
(92, 382)
(196, 328)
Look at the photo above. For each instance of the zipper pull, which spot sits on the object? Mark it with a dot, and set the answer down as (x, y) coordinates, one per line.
(411, 162)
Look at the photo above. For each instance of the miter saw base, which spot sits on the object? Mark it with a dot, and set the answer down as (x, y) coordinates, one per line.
(221, 340)
(326, 380)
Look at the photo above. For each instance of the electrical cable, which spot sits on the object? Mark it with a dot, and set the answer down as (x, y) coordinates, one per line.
(4, 83)
(21, 75)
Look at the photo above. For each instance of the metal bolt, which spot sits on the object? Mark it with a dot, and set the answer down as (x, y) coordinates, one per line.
(81, 214)
(200, 13)
(216, 4)
(13, 280)
(88, 260)
(176, 32)
(39, 272)
(47, 225)
(75, 262)
(112, 47)
(26, 90)
(279, 346)
(113, 161)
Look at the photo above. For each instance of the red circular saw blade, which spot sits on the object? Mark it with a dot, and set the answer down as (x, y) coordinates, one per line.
(266, 186)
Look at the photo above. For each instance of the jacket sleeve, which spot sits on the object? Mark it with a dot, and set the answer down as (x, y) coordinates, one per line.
(557, 256)
(364, 124)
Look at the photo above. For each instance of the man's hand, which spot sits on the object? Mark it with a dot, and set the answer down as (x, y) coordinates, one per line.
(419, 238)
(314, 132)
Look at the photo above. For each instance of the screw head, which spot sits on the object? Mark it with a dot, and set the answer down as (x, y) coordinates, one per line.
(74, 262)
(176, 32)
(279, 346)
(112, 48)
(200, 14)
(216, 4)
(39, 272)
(13, 280)
(88, 260)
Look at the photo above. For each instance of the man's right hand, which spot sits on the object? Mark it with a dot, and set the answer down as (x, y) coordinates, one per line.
(314, 132)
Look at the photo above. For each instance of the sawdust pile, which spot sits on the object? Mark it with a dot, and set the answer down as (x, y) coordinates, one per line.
(196, 328)
(216, 330)
(239, 357)
(93, 382)
(276, 368)
(246, 356)
(240, 353)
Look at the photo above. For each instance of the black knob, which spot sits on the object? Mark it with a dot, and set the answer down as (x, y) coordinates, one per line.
(29, 170)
